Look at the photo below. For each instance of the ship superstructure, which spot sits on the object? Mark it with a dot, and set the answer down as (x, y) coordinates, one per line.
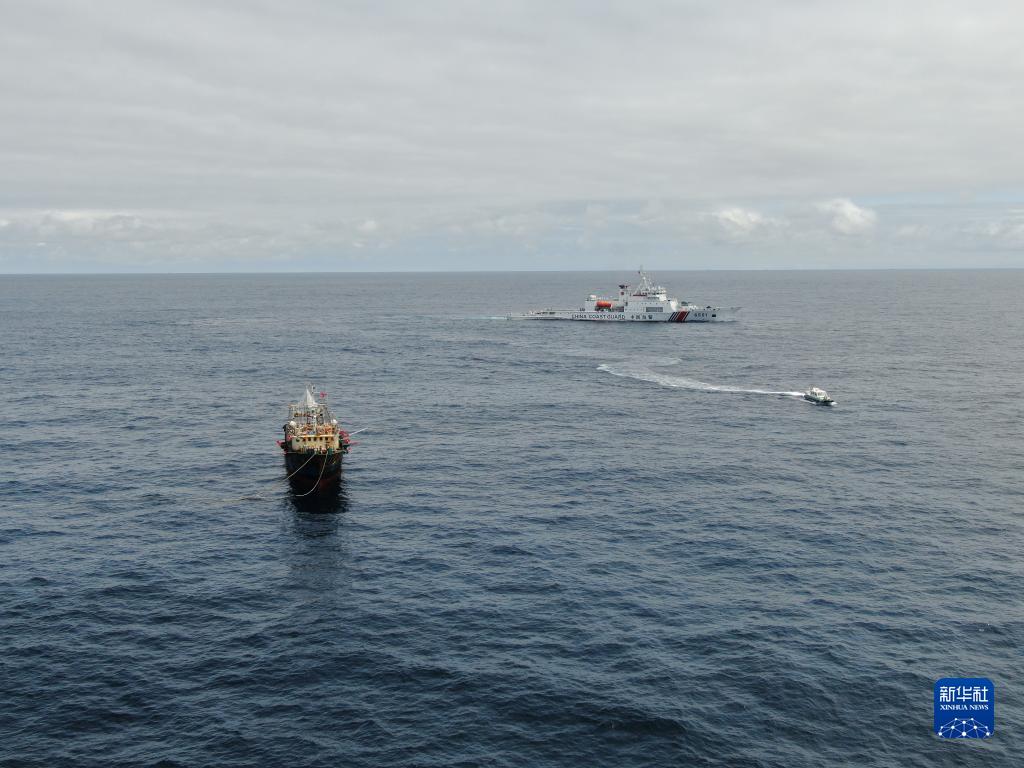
(313, 444)
(647, 302)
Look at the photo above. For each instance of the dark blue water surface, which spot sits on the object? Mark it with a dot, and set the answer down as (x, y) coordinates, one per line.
(559, 544)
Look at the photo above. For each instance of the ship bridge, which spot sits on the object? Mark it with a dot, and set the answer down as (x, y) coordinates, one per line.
(646, 298)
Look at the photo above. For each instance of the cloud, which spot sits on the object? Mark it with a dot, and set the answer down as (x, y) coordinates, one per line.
(661, 234)
(1004, 231)
(84, 225)
(740, 220)
(744, 224)
(847, 217)
(276, 133)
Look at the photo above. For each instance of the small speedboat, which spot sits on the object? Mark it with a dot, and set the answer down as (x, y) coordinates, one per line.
(818, 396)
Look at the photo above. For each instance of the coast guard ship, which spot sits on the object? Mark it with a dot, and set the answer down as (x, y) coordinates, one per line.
(647, 303)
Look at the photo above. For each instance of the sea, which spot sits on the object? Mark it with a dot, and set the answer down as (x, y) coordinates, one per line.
(554, 544)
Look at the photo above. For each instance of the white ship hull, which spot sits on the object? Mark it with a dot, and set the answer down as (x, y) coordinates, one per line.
(648, 303)
(694, 315)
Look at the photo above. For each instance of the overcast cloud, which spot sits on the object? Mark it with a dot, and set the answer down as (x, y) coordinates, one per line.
(193, 136)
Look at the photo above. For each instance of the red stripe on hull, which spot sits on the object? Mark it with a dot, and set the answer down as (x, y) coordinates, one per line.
(682, 316)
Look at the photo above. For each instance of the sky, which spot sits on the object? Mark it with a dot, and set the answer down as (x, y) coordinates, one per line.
(244, 135)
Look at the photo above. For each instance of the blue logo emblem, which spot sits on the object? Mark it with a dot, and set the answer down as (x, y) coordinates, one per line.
(965, 708)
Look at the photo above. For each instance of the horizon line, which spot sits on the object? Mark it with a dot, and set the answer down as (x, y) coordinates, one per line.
(508, 271)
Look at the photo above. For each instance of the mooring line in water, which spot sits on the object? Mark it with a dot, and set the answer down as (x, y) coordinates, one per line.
(290, 476)
(260, 496)
(317, 483)
(311, 457)
(250, 497)
(322, 466)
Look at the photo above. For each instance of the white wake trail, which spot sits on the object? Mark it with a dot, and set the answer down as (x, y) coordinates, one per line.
(645, 373)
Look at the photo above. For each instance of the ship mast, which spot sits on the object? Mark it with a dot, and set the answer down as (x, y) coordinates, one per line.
(645, 284)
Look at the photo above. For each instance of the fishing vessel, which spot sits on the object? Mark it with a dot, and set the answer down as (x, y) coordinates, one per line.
(818, 396)
(313, 444)
(646, 303)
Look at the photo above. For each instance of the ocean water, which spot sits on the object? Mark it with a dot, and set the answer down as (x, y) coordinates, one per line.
(556, 544)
